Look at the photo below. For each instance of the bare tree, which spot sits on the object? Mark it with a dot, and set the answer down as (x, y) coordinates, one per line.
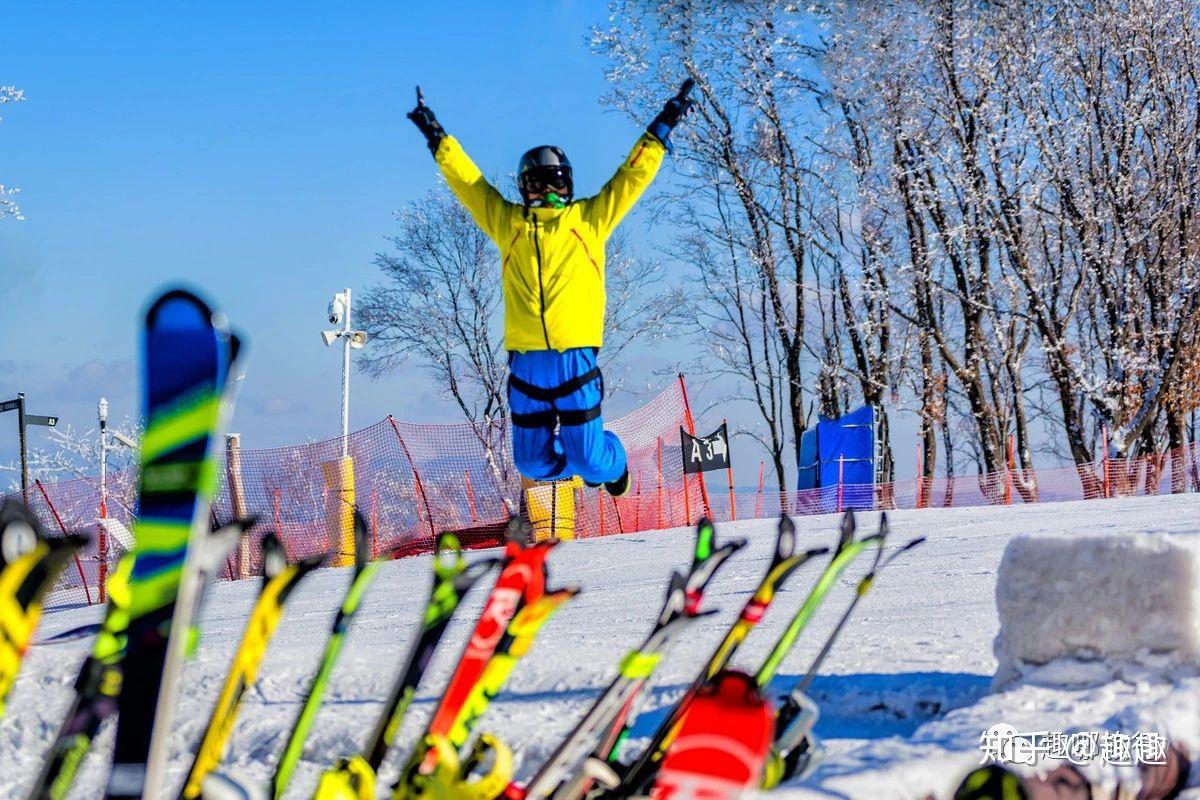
(1043, 167)
(741, 191)
(8, 208)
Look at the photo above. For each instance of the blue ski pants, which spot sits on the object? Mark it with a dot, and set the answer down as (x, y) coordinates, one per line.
(549, 389)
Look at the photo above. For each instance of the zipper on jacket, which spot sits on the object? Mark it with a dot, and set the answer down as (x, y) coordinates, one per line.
(541, 287)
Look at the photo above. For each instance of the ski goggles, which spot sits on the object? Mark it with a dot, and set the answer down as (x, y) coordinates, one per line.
(540, 180)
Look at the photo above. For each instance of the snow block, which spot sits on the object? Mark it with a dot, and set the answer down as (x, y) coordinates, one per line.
(1122, 599)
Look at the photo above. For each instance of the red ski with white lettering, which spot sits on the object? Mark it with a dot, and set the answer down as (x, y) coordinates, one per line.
(722, 745)
(522, 580)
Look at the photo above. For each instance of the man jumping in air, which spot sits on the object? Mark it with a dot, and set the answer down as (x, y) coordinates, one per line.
(552, 270)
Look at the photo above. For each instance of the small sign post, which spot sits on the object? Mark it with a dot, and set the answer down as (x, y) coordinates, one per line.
(18, 404)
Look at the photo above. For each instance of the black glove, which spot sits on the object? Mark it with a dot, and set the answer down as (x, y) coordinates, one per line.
(675, 109)
(422, 116)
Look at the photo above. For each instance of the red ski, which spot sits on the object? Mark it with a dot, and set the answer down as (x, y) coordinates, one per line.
(722, 745)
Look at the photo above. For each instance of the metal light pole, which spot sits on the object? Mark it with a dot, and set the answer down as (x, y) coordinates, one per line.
(339, 475)
(339, 312)
(121, 441)
(24, 448)
(346, 377)
(102, 417)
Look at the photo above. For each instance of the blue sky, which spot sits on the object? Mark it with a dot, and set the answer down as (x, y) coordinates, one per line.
(257, 152)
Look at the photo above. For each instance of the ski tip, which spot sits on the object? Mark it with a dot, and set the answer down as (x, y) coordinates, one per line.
(20, 530)
(237, 346)
(677, 583)
(706, 534)
(241, 524)
(518, 530)
(274, 559)
(179, 308)
(448, 543)
(73, 540)
(362, 540)
(785, 538)
(18, 538)
(448, 559)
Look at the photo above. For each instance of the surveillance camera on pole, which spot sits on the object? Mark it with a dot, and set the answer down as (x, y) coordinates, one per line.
(339, 314)
(105, 445)
(109, 527)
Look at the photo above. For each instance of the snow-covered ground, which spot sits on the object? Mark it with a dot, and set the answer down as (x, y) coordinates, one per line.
(905, 694)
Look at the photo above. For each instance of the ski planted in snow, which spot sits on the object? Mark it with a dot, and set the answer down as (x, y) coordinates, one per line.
(522, 580)
(188, 354)
(30, 562)
(98, 682)
(848, 549)
(722, 744)
(785, 561)
(558, 775)
(452, 579)
(517, 640)
(794, 748)
(364, 573)
(280, 578)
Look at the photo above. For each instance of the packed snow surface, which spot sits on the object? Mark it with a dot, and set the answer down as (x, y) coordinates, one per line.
(905, 694)
(1130, 598)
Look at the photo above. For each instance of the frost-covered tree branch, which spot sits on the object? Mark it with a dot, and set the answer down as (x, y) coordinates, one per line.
(9, 208)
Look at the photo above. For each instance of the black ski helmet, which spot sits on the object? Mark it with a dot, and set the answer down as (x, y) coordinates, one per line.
(545, 167)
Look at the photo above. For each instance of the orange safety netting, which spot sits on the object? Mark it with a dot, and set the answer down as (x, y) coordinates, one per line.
(413, 482)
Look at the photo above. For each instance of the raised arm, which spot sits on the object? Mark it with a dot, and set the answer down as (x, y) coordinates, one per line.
(486, 205)
(613, 202)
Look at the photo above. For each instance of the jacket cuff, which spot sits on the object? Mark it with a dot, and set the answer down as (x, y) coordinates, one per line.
(661, 133)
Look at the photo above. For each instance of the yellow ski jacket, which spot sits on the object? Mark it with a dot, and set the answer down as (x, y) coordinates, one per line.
(551, 259)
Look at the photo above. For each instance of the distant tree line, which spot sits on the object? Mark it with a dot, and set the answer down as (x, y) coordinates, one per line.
(983, 213)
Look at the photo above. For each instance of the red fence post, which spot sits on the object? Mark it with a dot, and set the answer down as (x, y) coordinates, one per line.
(1008, 473)
(660, 485)
(470, 495)
(1107, 480)
(637, 509)
(600, 509)
(691, 425)
(416, 476)
(86, 591)
(920, 476)
(277, 509)
(762, 466)
(732, 501)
